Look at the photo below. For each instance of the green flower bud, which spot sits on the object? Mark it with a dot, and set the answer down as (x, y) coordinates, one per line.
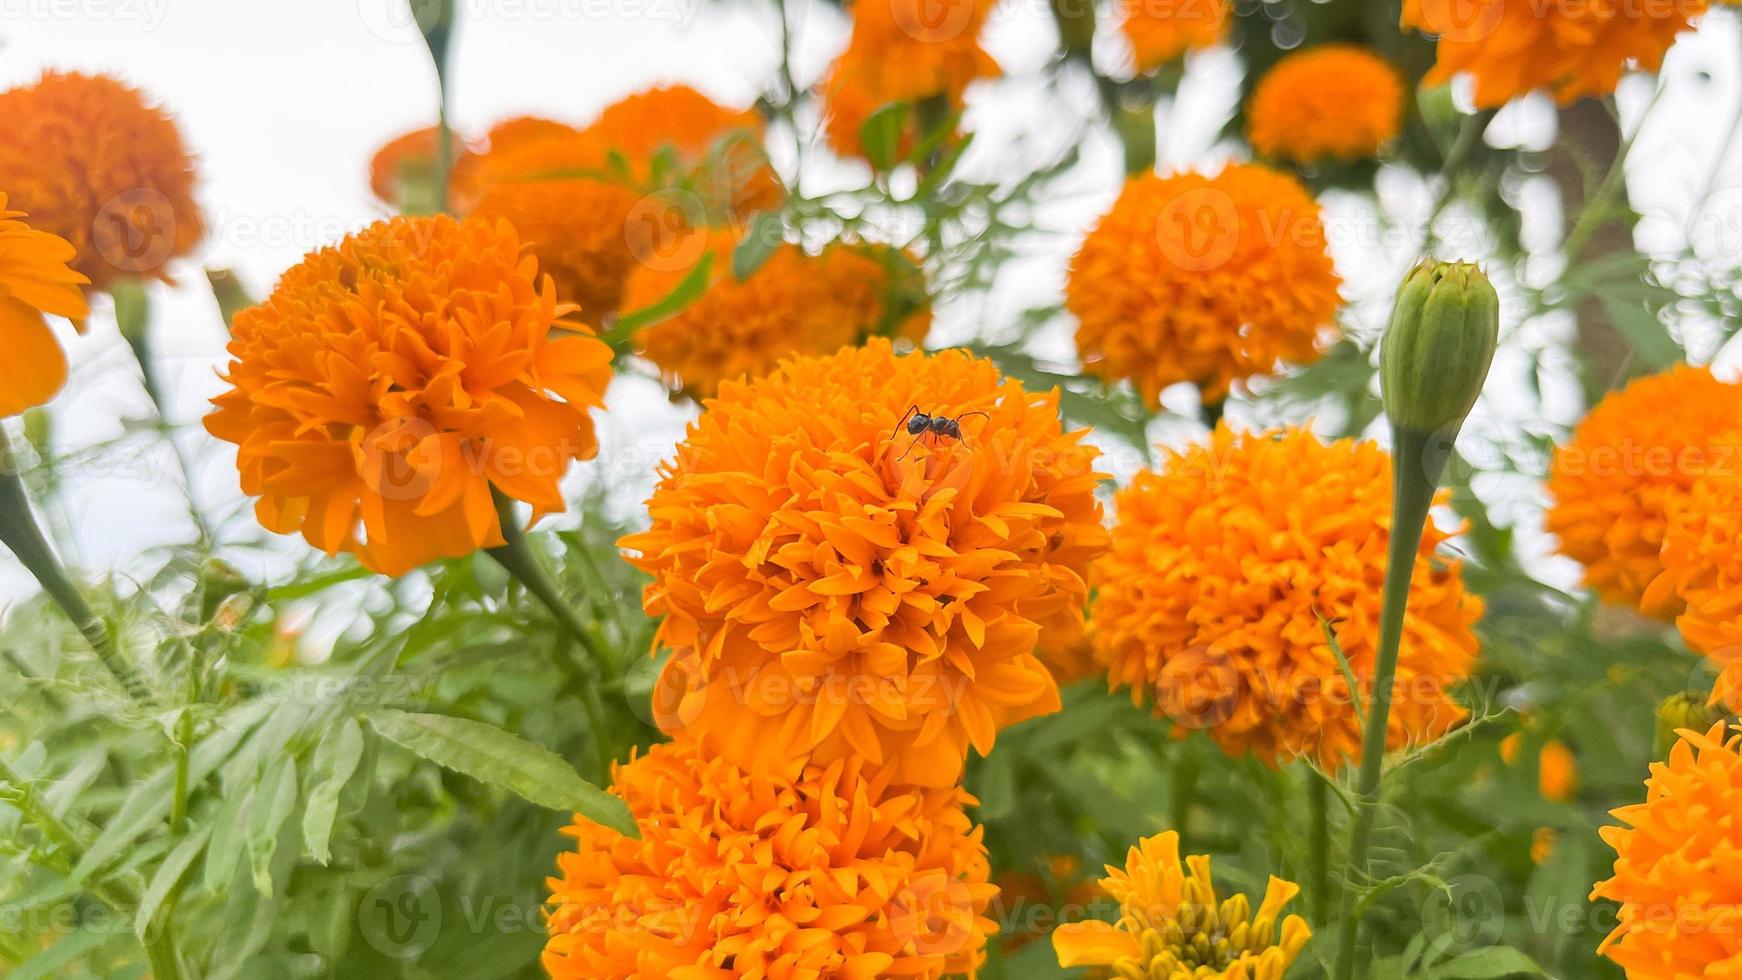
(39, 432)
(1436, 351)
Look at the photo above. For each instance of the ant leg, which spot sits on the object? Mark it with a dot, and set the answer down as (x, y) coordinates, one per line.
(905, 416)
(910, 446)
(963, 438)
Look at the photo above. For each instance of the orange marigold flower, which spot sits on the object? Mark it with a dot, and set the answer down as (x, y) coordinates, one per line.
(722, 146)
(1678, 865)
(1614, 481)
(1173, 926)
(90, 161)
(826, 873)
(405, 167)
(1336, 101)
(1204, 279)
(903, 51)
(1573, 48)
(832, 585)
(1727, 690)
(1029, 903)
(1702, 567)
(793, 303)
(1557, 768)
(588, 221)
(1226, 567)
(34, 279)
(1162, 30)
(389, 383)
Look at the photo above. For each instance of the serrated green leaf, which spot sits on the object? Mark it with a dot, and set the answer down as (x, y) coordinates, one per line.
(335, 761)
(169, 874)
(272, 806)
(504, 760)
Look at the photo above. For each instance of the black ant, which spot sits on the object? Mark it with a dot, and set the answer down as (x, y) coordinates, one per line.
(918, 424)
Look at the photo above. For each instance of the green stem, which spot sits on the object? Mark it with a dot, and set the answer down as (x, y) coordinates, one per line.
(1416, 473)
(133, 317)
(19, 532)
(1319, 867)
(1469, 137)
(117, 895)
(1596, 209)
(178, 809)
(1185, 791)
(518, 557)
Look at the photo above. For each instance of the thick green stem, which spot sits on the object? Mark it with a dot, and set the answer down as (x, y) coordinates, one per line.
(518, 557)
(19, 532)
(1416, 470)
(1319, 867)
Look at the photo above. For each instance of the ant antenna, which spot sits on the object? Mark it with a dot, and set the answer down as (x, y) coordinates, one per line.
(905, 416)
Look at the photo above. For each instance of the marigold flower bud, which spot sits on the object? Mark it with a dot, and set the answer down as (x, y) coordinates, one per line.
(1438, 346)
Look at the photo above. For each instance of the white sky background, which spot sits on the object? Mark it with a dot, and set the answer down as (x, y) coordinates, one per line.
(285, 102)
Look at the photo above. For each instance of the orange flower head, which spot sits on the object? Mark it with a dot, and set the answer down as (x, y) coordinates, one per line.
(34, 279)
(389, 383)
(1557, 767)
(1614, 481)
(1727, 689)
(1678, 865)
(1227, 567)
(91, 162)
(824, 871)
(404, 169)
(1573, 48)
(793, 303)
(1172, 925)
(1702, 568)
(1335, 101)
(833, 585)
(1162, 30)
(1204, 279)
(903, 51)
(723, 146)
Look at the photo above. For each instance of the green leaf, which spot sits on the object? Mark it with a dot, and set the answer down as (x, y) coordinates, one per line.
(335, 761)
(1488, 963)
(227, 840)
(169, 874)
(504, 760)
(682, 295)
(1645, 331)
(272, 806)
(880, 134)
(52, 961)
(759, 242)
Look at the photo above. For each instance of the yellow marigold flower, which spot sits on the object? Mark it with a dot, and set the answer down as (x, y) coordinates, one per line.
(1227, 564)
(834, 586)
(1573, 48)
(793, 303)
(1557, 768)
(390, 382)
(1615, 480)
(826, 873)
(1172, 926)
(1678, 865)
(34, 279)
(91, 162)
(406, 165)
(1204, 279)
(1336, 101)
(1162, 30)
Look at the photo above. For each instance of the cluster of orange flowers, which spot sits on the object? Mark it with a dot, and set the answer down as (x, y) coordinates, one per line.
(1203, 279)
(1573, 48)
(917, 52)
(1231, 565)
